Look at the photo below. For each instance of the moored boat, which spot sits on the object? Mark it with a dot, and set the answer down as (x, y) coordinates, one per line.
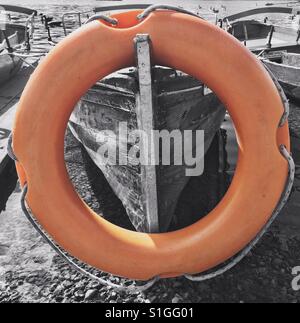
(278, 46)
(262, 34)
(14, 38)
(286, 68)
(181, 104)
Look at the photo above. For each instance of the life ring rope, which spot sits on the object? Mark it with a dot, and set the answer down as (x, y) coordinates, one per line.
(129, 288)
(155, 7)
(285, 194)
(243, 253)
(284, 99)
(112, 21)
(70, 261)
(143, 15)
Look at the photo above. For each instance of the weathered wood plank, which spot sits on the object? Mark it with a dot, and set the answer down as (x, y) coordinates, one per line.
(256, 11)
(285, 73)
(146, 112)
(291, 59)
(104, 108)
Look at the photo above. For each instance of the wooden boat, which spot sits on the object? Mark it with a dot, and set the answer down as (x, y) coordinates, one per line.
(14, 39)
(286, 68)
(180, 104)
(263, 35)
(277, 46)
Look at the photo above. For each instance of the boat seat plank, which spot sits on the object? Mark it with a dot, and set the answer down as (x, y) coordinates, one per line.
(291, 59)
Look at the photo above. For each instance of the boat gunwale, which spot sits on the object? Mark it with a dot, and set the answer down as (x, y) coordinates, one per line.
(287, 67)
(257, 11)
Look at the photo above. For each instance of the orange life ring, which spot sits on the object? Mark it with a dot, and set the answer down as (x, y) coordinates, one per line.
(199, 49)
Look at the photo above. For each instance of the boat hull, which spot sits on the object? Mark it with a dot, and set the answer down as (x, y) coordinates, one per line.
(180, 104)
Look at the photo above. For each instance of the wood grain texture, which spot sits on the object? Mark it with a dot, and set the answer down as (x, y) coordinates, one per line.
(180, 104)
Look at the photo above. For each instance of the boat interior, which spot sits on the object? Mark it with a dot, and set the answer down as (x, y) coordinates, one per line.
(16, 25)
(259, 34)
(15, 34)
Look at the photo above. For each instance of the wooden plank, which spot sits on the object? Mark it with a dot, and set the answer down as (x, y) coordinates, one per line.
(259, 45)
(145, 111)
(285, 73)
(291, 59)
(176, 110)
(285, 32)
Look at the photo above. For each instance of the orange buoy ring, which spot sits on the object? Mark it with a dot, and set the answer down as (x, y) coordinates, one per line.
(200, 49)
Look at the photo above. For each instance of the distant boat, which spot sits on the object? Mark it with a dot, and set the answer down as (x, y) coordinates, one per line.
(277, 46)
(258, 35)
(14, 37)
